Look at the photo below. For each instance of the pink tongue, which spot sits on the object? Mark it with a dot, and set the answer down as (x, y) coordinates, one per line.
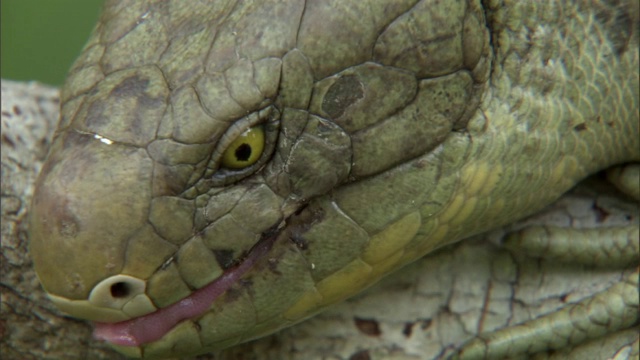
(153, 326)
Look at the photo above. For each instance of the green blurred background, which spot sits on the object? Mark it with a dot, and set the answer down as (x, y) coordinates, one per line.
(42, 38)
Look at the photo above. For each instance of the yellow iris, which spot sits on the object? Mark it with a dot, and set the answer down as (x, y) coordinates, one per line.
(245, 150)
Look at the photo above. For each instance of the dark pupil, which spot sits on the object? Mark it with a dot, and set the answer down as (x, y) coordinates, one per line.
(243, 152)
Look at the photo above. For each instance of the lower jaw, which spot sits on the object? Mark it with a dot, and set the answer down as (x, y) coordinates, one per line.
(151, 327)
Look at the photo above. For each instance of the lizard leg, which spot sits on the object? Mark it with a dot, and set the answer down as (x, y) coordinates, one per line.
(603, 247)
(612, 310)
(625, 341)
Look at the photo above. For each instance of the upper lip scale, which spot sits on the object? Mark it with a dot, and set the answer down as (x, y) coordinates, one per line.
(151, 327)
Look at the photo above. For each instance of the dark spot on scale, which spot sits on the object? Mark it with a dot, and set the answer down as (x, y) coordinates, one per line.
(300, 242)
(368, 327)
(96, 114)
(580, 127)
(225, 258)
(132, 86)
(16, 110)
(272, 265)
(245, 283)
(300, 222)
(343, 93)
(621, 26)
(235, 292)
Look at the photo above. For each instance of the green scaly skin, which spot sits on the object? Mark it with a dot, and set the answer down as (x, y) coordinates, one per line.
(392, 129)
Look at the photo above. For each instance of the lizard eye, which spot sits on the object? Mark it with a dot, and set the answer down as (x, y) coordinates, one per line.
(245, 150)
(245, 147)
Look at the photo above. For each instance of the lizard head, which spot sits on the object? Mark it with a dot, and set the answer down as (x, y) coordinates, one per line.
(221, 172)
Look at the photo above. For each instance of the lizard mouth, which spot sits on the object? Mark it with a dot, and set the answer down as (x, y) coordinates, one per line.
(153, 326)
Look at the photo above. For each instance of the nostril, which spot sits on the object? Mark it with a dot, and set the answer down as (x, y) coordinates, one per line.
(124, 293)
(120, 290)
(115, 292)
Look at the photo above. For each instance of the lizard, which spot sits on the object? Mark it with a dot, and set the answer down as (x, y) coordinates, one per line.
(237, 167)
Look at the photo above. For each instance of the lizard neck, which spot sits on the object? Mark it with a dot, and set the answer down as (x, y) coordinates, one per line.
(569, 67)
